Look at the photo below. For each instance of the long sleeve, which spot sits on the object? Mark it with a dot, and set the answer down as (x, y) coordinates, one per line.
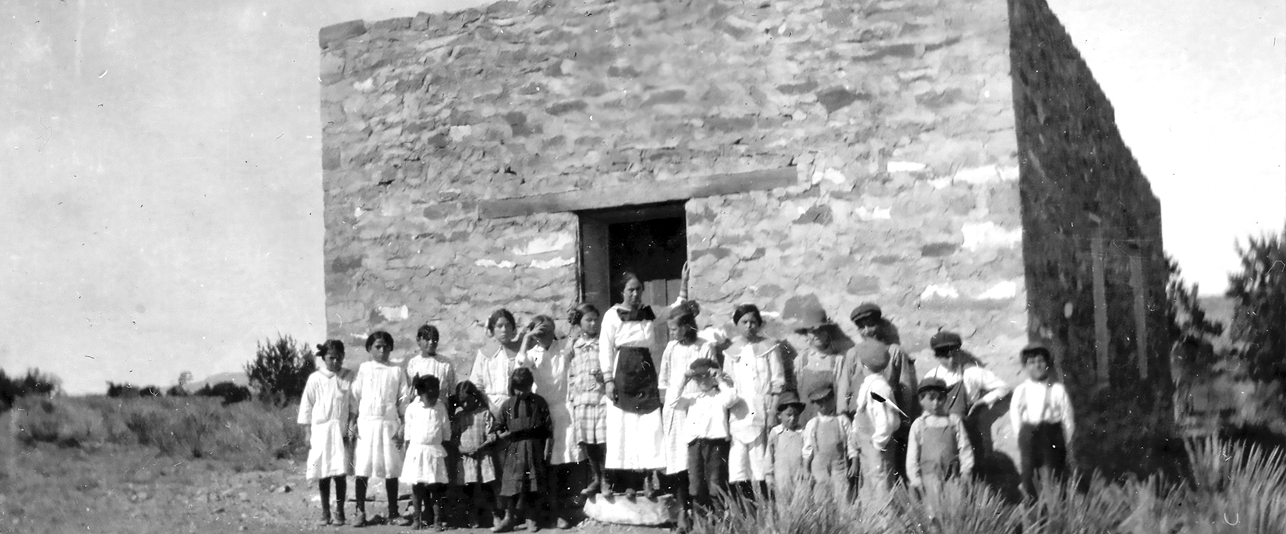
(772, 451)
(607, 344)
(306, 401)
(810, 441)
(988, 381)
(663, 372)
(404, 394)
(913, 453)
(846, 384)
(850, 436)
(884, 420)
(359, 382)
(1018, 404)
(776, 370)
(1069, 418)
(963, 448)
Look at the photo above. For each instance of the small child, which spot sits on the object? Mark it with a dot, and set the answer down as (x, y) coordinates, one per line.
(323, 410)
(1041, 413)
(786, 465)
(425, 467)
(938, 447)
(830, 449)
(525, 423)
(586, 394)
(877, 416)
(473, 433)
(705, 430)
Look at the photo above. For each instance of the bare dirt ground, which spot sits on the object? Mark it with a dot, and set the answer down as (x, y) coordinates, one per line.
(55, 489)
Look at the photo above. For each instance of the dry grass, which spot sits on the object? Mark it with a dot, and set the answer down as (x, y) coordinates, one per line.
(249, 433)
(1234, 487)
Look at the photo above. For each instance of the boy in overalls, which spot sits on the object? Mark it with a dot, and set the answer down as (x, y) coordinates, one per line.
(786, 465)
(971, 388)
(829, 447)
(938, 447)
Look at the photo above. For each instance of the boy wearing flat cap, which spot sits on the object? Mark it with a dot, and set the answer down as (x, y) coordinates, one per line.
(705, 430)
(830, 449)
(877, 417)
(970, 387)
(1042, 416)
(900, 372)
(938, 447)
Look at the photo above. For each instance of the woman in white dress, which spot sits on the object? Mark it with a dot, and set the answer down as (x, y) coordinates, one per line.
(381, 394)
(755, 365)
(626, 342)
(324, 412)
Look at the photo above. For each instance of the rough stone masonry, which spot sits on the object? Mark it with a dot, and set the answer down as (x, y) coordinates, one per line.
(953, 160)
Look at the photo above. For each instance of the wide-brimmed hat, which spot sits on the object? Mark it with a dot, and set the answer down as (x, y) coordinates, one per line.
(810, 318)
(945, 340)
(873, 354)
(820, 393)
(865, 310)
(788, 399)
(931, 384)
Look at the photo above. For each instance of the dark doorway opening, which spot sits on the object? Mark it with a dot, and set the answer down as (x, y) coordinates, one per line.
(650, 240)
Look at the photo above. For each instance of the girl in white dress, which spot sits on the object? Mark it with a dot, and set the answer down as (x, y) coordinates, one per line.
(425, 468)
(496, 360)
(684, 348)
(324, 412)
(755, 365)
(381, 394)
(429, 362)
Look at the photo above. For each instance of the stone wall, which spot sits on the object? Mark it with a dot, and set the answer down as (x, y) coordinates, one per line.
(1083, 194)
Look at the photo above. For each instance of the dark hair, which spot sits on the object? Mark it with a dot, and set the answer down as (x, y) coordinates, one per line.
(627, 276)
(744, 309)
(520, 380)
(496, 316)
(1042, 352)
(682, 316)
(543, 319)
(424, 384)
(467, 397)
(331, 346)
(579, 311)
(428, 332)
(379, 334)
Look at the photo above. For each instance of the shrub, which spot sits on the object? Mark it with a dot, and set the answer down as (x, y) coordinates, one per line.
(126, 389)
(33, 383)
(228, 391)
(280, 370)
(1260, 294)
(183, 427)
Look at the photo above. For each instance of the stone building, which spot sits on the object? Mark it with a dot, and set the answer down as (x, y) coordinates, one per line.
(952, 160)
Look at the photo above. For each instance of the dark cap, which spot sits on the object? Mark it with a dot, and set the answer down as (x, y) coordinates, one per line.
(873, 354)
(864, 311)
(945, 340)
(702, 365)
(1032, 349)
(788, 399)
(820, 393)
(810, 318)
(932, 384)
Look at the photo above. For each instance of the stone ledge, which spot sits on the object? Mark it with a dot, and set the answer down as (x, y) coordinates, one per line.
(337, 33)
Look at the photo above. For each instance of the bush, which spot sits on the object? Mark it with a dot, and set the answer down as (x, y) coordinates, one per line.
(1260, 294)
(228, 391)
(33, 383)
(182, 427)
(280, 370)
(126, 389)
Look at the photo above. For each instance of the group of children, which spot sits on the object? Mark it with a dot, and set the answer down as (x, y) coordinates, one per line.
(725, 407)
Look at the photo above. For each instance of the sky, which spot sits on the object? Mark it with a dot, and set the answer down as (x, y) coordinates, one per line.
(160, 165)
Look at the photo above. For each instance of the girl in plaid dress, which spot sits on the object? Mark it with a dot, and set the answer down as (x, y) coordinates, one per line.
(474, 434)
(585, 393)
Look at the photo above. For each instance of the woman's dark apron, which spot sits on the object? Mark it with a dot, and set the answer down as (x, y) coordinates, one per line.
(635, 376)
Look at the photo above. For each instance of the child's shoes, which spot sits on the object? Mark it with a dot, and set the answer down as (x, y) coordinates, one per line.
(532, 526)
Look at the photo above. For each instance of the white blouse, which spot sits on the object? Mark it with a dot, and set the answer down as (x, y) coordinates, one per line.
(1038, 402)
(617, 333)
(326, 398)
(381, 391)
